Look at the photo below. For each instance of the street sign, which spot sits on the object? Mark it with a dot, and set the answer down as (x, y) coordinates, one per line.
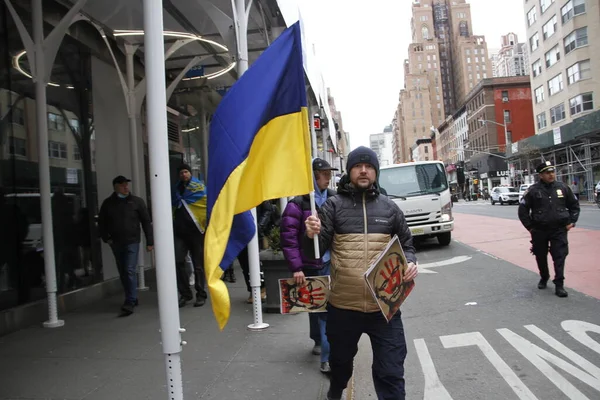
(195, 72)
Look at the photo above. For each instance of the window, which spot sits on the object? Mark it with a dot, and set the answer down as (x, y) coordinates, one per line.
(552, 56)
(468, 52)
(468, 60)
(576, 39)
(579, 71)
(532, 16)
(425, 32)
(555, 84)
(534, 42)
(507, 117)
(509, 136)
(581, 103)
(463, 28)
(426, 150)
(17, 146)
(572, 9)
(76, 153)
(536, 67)
(56, 122)
(549, 27)
(557, 113)
(541, 120)
(17, 117)
(461, 15)
(74, 125)
(57, 150)
(423, 18)
(544, 4)
(539, 94)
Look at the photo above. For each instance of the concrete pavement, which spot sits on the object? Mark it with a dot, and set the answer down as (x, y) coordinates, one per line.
(97, 356)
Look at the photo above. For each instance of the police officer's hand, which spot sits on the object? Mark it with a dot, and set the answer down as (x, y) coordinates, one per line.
(411, 272)
(570, 226)
(313, 226)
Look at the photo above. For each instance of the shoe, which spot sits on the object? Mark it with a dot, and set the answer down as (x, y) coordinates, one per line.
(263, 294)
(126, 309)
(199, 302)
(249, 301)
(334, 394)
(543, 283)
(232, 277)
(317, 350)
(325, 368)
(183, 301)
(561, 292)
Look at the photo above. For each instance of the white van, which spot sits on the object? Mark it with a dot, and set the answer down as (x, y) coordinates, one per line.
(422, 192)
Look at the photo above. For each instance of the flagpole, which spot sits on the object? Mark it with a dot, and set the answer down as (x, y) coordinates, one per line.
(158, 146)
(313, 207)
(240, 17)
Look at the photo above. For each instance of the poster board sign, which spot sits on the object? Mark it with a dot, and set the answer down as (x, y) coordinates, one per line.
(385, 279)
(311, 296)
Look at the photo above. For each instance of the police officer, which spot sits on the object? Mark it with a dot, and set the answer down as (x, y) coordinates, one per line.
(548, 210)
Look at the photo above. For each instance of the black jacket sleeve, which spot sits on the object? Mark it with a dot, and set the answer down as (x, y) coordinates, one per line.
(264, 211)
(525, 210)
(406, 240)
(103, 222)
(572, 205)
(326, 215)
(146, 222)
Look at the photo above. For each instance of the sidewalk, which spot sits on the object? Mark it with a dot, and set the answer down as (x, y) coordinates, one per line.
(97, 356)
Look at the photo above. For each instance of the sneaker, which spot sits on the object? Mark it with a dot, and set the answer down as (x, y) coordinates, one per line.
(183, 301)
(543, 283)
(249, 301)
(325, 368)
(126, 310)
(561, 292)
(317, 350)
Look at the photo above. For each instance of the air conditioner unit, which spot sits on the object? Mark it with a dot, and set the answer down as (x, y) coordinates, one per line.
(505, 99)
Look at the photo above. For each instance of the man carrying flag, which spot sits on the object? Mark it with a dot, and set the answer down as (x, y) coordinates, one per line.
(189, 223)
(259, 149)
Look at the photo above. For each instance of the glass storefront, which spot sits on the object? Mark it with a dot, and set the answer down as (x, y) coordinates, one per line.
(72, 171)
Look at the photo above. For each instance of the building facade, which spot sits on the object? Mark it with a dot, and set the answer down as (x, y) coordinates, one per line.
(564, 53)
(381, 144)
(423, 150)
(512, 58)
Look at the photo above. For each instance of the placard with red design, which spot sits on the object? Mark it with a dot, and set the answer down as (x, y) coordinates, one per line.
(385, 279)
(311, 296)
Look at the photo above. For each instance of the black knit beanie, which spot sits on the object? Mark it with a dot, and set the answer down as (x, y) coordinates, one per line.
(184, 166)
(362, 155)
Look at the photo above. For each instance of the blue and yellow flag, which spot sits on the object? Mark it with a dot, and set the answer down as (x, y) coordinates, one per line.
(259, 149)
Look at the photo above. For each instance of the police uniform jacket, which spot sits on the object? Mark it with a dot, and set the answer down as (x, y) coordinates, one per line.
(548, 206)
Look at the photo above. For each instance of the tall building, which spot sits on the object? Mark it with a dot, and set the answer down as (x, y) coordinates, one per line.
(511, 59)
(381, 144)
(564, 50)
(445, 62)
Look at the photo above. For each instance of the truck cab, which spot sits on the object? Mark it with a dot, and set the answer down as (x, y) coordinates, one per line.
(422, 192)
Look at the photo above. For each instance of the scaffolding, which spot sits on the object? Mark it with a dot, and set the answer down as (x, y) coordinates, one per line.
(577, 161)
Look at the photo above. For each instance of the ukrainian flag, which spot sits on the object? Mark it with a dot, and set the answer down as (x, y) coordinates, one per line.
(259, 149)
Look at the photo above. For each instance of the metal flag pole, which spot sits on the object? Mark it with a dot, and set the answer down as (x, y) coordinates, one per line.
(240, 18)
(156, 103)
(313, 207)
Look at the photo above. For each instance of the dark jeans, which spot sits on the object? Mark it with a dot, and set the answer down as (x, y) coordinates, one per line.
(559, 249)
(344, 329)
(194, 244)
(126, 256)
(245, 264)
(313, 318)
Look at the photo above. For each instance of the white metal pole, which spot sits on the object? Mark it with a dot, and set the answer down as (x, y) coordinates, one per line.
(158, 145)
(44, 166)
(282, 204)
(506, 152)
(204, 136)
(133, 143)
(241, 23)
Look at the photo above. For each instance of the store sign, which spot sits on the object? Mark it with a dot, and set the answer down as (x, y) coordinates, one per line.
(498, 174)
(557, 137)
(72, 178)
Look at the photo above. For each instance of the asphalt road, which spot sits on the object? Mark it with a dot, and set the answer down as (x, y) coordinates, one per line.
(478, 328)
(588, 219)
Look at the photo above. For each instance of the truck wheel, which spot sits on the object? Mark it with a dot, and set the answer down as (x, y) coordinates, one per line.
(444, 239)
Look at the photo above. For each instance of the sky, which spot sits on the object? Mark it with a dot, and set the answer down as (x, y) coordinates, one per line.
(361, 47)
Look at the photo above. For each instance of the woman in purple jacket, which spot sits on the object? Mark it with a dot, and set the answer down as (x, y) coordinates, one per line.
(292, 230)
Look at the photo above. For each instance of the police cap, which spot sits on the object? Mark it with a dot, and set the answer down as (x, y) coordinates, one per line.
(545, 167)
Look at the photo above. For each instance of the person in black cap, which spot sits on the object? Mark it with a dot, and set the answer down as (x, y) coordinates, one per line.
(356, 225)
(121, 215)
(548, 210)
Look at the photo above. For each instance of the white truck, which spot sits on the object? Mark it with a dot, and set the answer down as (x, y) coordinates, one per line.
(422, 192)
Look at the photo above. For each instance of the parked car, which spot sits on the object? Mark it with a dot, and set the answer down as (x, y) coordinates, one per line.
(522, 190)
(504, 194)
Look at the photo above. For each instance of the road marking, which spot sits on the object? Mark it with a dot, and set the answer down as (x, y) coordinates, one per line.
(578, 331)
(540, 358)
(434, 389)
(424, 268)
(477, 339)
(471, 303)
